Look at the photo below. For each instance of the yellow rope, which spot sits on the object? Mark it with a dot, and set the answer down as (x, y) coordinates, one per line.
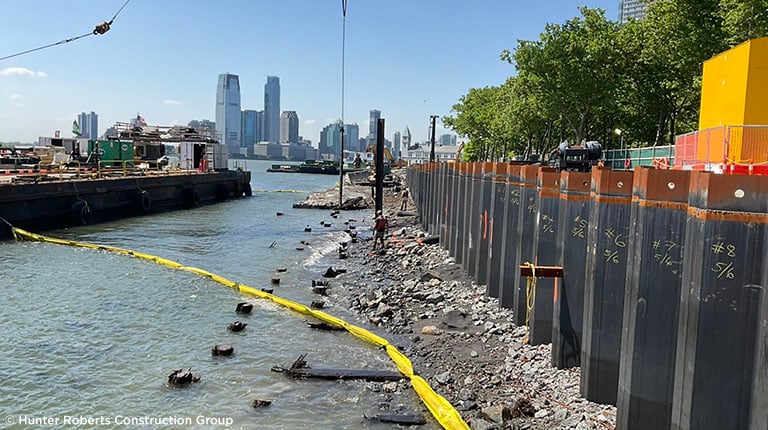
(530, 299)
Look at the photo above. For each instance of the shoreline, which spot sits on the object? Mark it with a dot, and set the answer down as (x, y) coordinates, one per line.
(461, 341)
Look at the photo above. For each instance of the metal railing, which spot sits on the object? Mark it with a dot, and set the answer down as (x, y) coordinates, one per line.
(724, 149)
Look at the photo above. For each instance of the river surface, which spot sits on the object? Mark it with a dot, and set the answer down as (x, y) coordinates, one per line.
(89, 335)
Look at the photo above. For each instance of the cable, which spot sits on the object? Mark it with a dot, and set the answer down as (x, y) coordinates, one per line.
(100, 28)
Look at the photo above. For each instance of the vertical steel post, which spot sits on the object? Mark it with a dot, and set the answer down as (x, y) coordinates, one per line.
(608, 243)
(526, 229)
(509, 262)
(544, 254)
(652, 298)
(722, 340)
(379, 196)
(573, 223)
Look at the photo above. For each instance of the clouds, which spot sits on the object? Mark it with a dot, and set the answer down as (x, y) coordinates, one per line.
(22, 71)
(309, 121)
(16, 100)
(171, 102)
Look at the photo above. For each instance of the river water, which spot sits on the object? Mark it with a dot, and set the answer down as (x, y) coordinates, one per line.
(89, 335)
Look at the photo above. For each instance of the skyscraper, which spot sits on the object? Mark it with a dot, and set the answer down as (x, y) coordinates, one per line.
(89, 125)
(289, 127)
(631, 9)
(228, 116)
(330, 142)
(352, 137)
(272, 109)
(250, 127)
(373, 123)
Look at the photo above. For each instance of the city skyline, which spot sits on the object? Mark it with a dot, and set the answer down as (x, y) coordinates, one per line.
(421, 67)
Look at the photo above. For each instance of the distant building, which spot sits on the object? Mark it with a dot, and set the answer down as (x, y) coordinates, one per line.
(396, 144)
(289, 127)
(421, 154)
(203, 123)
(631, 9)
(228, 116)
(447, 140)
(373, 123)
(253, 127)
(406, 139)
(352, 138)
(330, 141)
(272, 109)
(89, 125)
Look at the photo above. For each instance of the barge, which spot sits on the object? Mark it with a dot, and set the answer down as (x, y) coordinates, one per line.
(183, 170)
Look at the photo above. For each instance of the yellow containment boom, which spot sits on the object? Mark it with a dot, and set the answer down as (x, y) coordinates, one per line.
(441, 409)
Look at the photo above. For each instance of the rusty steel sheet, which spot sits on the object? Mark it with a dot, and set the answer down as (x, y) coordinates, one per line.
(572, 229)
(497, 201)
(544, 254)
(608, 243)
(652, 298)
(508, 260)
(721, 379)
(483, 213)
(445, 203)
(526, 227)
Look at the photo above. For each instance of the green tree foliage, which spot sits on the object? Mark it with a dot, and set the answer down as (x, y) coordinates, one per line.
(588, 76)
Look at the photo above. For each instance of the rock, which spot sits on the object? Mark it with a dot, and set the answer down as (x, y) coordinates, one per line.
(390, 387)
(430, 330)
(560, 415)
(317, 304)
(222, 350)
(444, 378)
(330, 273)
(428, 276)
(181, 377)
(473, 354)
(481, 424)
(467, 394)
(237, 326)
(260, 403)
(244, 308)
(499, 414)
(383, 310)
(434, 298)
(541, 413)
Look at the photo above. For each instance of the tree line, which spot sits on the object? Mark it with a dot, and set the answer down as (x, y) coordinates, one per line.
(591, 78)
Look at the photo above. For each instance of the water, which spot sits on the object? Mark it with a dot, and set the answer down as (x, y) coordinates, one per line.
(94, 334)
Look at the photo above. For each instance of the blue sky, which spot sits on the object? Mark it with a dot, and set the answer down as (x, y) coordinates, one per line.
(408, 58)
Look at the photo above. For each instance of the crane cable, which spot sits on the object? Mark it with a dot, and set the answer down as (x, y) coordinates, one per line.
(100, 28)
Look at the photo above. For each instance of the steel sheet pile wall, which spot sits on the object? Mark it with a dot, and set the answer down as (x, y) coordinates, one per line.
(721, 376)
(497, 199)
(568, 303)
(664, 280)
(509, 262)
(483, 212)
(606, 271)
(526, 228)
(545, 254)
(651, 301)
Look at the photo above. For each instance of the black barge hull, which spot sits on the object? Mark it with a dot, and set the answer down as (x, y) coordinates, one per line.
(57, 204)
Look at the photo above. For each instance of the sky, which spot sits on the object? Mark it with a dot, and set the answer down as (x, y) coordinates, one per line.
(407, 58)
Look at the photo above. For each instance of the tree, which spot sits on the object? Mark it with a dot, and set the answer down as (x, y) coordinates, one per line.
(744, 19)
(573, 68)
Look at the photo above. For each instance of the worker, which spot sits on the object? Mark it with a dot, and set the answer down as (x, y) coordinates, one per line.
(380, 227)
(404, 196)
